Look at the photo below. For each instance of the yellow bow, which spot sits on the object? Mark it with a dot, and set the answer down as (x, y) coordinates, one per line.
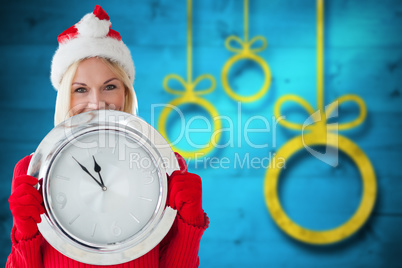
(321, 122)
(245, 46)
(189, 88)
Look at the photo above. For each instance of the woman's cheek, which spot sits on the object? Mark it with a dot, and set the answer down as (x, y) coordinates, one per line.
(77, 108)
(117, 101)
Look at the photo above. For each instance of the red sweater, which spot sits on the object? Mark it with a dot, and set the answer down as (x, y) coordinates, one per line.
(178, 249)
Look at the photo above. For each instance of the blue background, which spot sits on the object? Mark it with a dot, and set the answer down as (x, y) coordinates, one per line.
(363, 56)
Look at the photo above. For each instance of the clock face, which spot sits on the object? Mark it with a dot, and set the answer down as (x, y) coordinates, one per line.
(104, 188)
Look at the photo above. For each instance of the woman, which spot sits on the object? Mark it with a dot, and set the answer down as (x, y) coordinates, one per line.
(93, 69)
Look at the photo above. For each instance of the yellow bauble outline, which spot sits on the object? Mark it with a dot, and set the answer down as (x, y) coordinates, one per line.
(215, 119)
(355, 222)
(249, 56)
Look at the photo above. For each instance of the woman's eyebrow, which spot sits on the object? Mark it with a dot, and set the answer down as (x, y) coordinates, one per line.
(109, 80)
(78, 83)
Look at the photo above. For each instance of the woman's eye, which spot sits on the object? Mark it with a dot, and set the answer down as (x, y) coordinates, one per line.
(110, 87)
(80, 90)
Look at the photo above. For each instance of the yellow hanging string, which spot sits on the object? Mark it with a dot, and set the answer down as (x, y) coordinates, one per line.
(320, 117)
(189, 94)
(189, 85)
(189, 42)
(320, 59)
(247, 51)
(320, 135)
(246, 21)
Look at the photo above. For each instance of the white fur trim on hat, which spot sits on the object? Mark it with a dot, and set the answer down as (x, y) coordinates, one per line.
(86, 47)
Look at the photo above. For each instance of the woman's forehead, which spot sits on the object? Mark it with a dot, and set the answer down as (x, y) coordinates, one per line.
(93, 69)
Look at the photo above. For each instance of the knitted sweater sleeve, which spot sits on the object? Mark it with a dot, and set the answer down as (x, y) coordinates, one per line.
(24, 253)
(180, 246)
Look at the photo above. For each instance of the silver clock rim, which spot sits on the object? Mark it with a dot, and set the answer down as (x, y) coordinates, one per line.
(151, 140)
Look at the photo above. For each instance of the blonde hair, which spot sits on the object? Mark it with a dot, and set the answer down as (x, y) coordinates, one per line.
(62, 111)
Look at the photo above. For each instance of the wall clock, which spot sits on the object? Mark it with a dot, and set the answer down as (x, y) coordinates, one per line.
(103, 176)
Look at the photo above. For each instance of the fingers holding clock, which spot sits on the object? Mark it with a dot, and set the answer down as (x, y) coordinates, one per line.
(185, 195)
(25, 179)
(24, 189)
(26, 195)
(26, 212)
(26, 206)
(184, 189)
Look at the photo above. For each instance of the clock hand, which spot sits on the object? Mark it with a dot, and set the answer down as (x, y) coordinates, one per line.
(97, 170)
(86, 170)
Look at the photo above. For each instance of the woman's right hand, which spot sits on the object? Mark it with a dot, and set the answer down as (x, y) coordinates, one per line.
(26, 206)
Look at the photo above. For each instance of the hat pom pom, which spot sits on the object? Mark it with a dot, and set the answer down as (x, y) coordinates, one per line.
(91, 26)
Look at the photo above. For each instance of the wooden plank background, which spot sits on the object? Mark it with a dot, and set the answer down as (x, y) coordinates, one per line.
(363, 56)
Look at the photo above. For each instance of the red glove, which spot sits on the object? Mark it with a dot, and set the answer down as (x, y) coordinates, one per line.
(185, 194)
(26, 207)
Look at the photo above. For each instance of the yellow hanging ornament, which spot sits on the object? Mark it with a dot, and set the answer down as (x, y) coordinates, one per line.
(321, 134)
(246, 53)
(191, 96)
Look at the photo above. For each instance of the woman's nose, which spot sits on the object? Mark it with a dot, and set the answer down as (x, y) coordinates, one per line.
(96, 101)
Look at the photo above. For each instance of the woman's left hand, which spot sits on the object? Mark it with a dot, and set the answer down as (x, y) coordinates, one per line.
(185, 194)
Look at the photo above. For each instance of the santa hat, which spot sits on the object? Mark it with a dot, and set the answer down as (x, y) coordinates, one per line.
(92, 36)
